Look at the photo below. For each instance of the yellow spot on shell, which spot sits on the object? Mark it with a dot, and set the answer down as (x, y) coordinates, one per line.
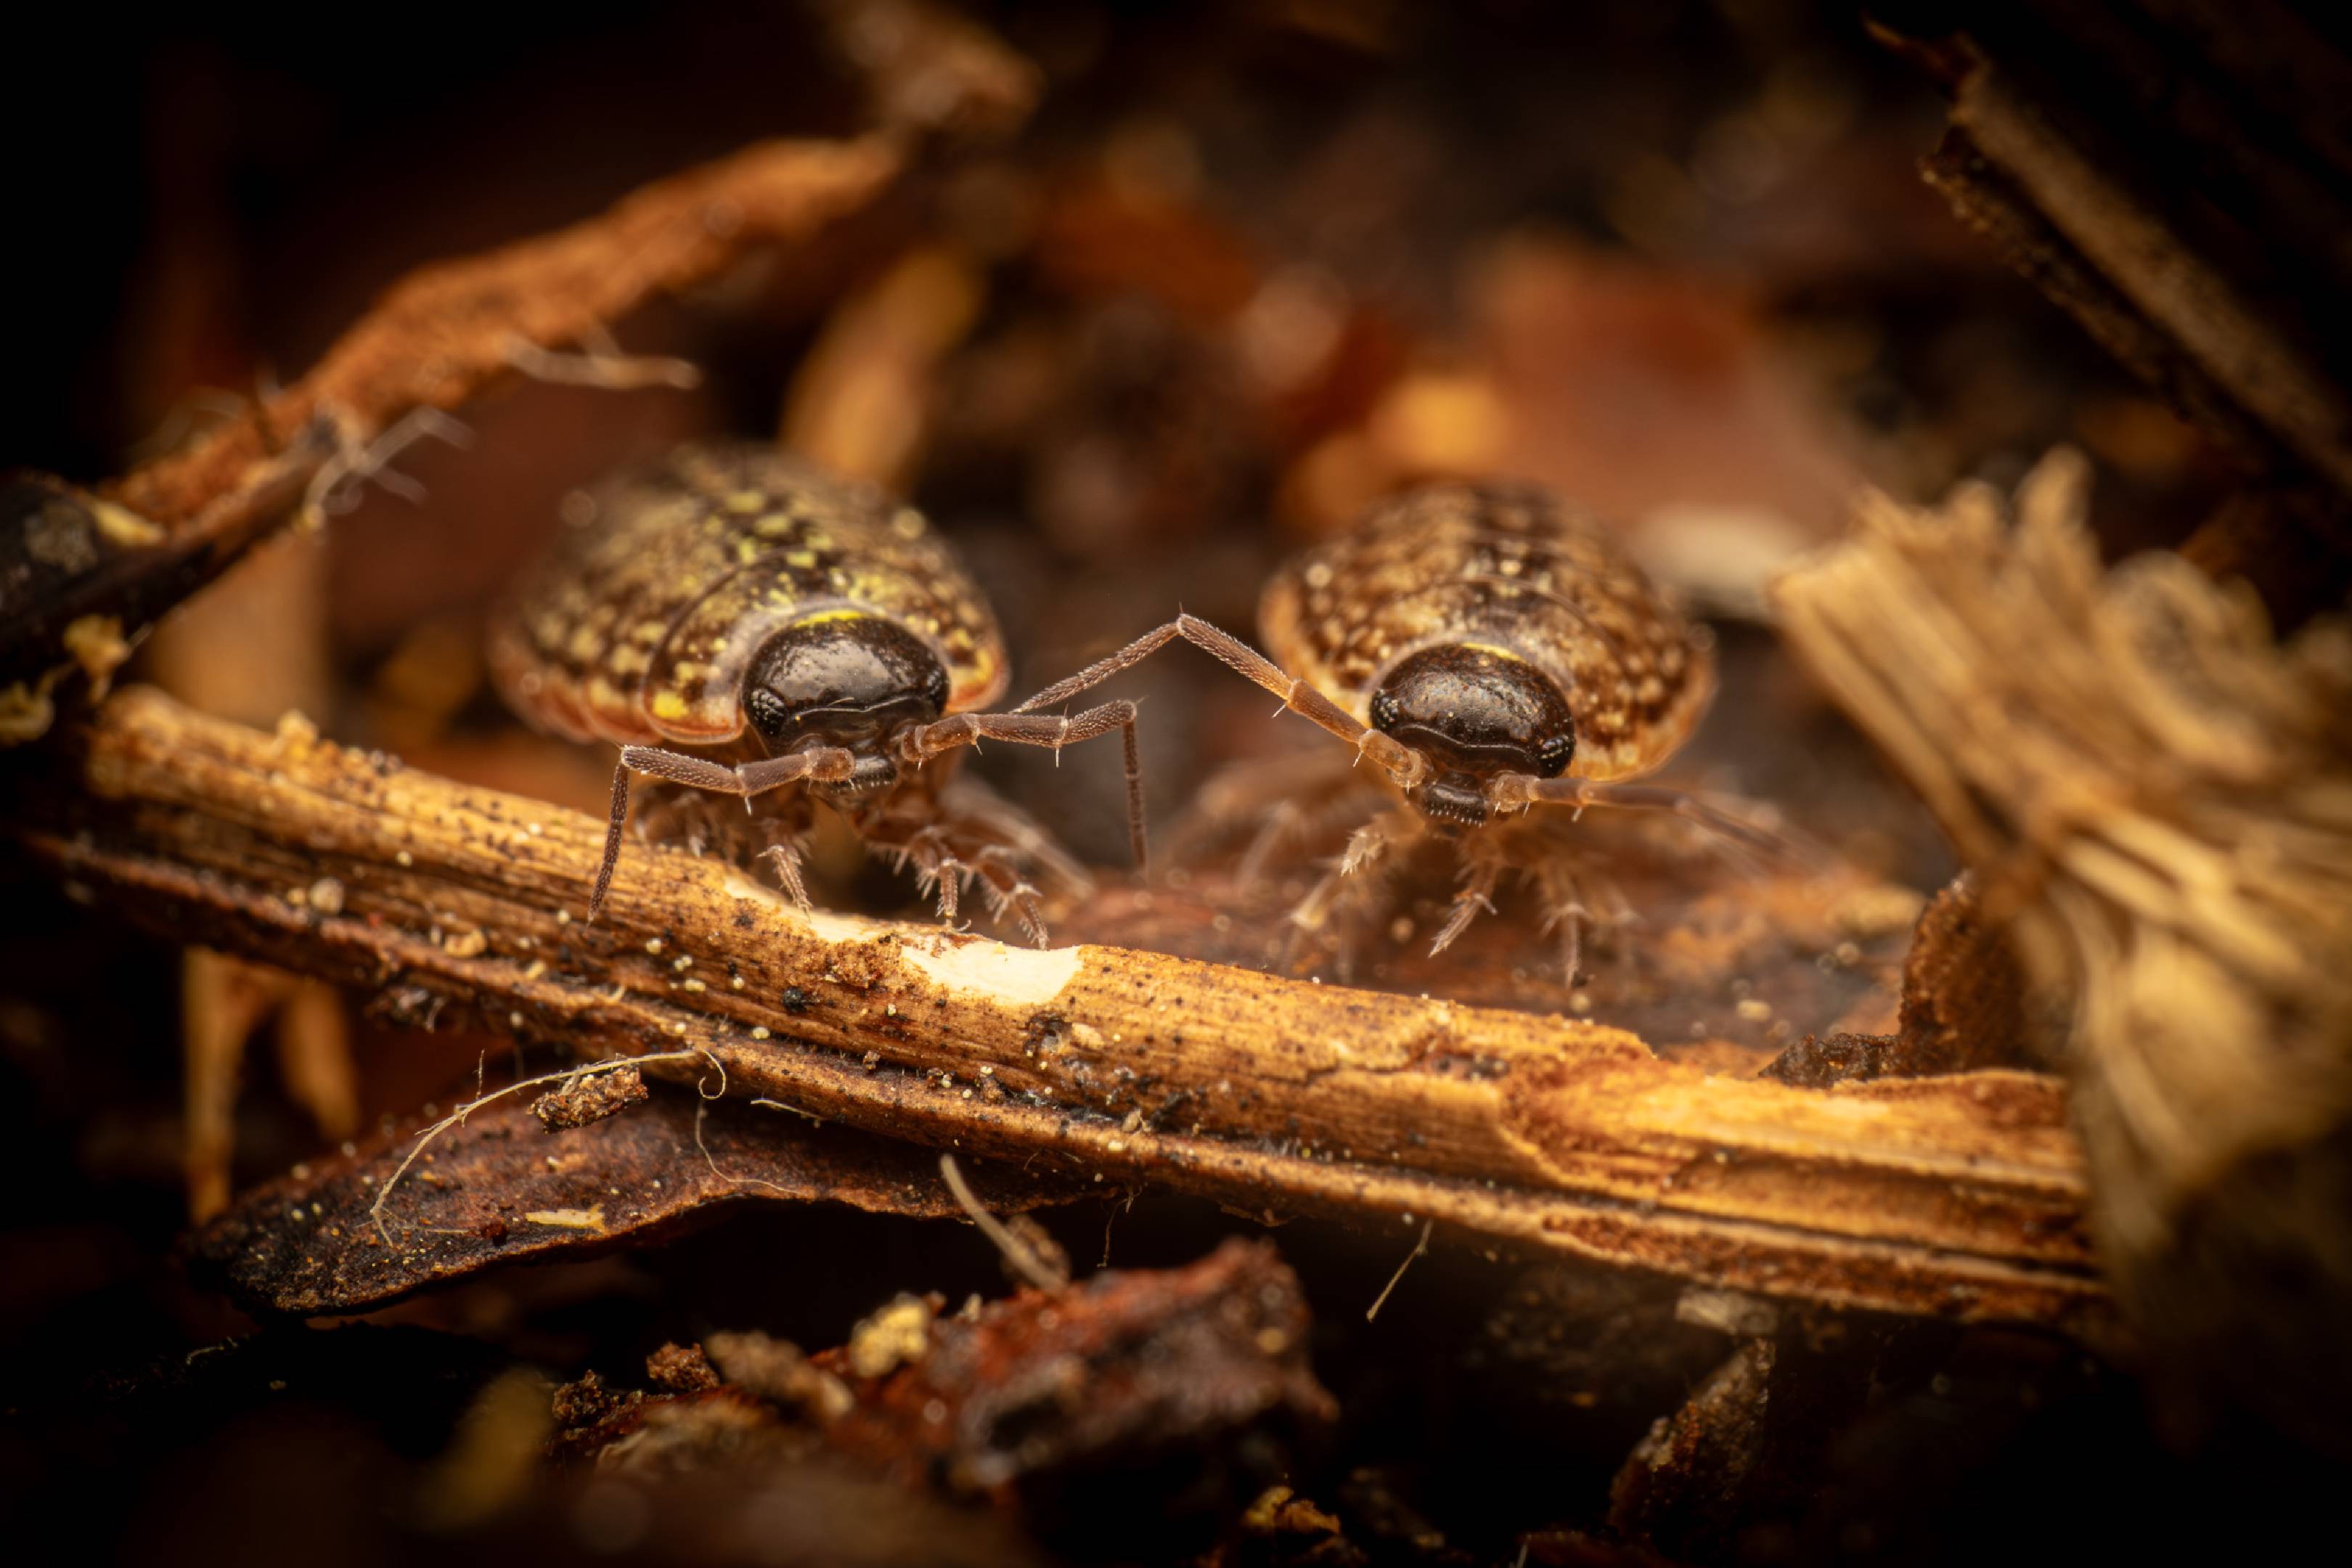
(1491, 650)
(746, 501)
(668, 705)
(800, 558)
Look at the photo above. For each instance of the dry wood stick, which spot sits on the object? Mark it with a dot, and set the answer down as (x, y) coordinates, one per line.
(1958, 1196)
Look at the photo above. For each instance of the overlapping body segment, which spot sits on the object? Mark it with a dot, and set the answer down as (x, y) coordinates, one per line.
(1513, 573)
(643, 621)
(1482, 650)
(743, 624)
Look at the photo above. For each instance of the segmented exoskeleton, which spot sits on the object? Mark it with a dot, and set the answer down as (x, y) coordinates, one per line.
(1489, 649)
(740, 622)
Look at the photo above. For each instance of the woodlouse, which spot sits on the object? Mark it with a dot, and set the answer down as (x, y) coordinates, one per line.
(738, 623)
(1490, 648)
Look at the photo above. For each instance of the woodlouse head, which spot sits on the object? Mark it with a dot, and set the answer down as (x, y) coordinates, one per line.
(1475, 713)
(848, 679)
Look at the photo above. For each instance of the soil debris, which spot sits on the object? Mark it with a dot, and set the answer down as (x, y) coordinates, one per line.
(897, 1334)
(587, 1100)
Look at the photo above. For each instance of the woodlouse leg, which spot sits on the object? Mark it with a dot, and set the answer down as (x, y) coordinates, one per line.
(938, 874)
(1311, 919)
(947, 874)
(600, 363)
(966, 833)
(1050, 729)
(923, 849)
(1007, 889)
(1564, 908)
(785, 856)
(1405, 765)
(1285, 803)
(1352, 886)
(1481, 867)
(701, 772)
(1283, 822)
(976, 814)
(1618, 914)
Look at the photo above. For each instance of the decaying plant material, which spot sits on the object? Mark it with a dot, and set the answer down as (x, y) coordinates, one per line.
(1954, 1196)
(75, 565)
(1752, 1207)
(497, 1189)
(586, 1099)
(2156, 796)
(84, 575)
(1058, 1380)
(2175, 178)
(2170, 295)
(1054, 1404)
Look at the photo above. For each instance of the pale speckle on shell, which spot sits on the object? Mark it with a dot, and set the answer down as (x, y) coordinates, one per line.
(641, 624)
(1509, 566)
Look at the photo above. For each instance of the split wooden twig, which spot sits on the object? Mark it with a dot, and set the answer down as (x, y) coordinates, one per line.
(1958, 1196)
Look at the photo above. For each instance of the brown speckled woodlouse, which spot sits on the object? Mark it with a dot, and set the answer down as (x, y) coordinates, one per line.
(741, 624)
(1490, 648)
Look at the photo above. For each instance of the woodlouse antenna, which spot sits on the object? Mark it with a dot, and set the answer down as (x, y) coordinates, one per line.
(699, 773)
(1055, 730)
(1514, 792)
(1405, 765)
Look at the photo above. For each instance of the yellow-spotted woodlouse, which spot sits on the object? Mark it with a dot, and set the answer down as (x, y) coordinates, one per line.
(1490, 648)
(738, 623)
